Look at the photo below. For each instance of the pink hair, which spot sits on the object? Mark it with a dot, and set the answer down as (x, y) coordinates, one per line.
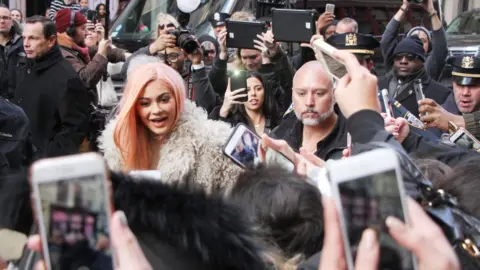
(130, 134)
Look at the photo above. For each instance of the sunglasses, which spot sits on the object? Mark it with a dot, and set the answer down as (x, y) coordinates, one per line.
(163, 26)
(209, 51)
(408, 56)
(251, 57)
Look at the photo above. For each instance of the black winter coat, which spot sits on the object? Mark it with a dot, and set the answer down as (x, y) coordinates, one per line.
(55, 101)
(9, 56)
(407, 98)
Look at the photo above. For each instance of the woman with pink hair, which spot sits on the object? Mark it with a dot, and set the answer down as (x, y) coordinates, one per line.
(157, 128)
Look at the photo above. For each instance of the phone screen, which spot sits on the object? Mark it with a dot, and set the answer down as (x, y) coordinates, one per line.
(366, 203)
(75, 219)
(238, 80)
(330, 8)
(243, 147)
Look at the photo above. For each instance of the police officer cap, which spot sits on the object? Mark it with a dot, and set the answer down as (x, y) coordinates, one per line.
(219, 18)
(466, 69)
(359, 44)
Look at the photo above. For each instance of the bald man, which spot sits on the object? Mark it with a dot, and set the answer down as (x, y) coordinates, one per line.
(317, 126)
(347, 25)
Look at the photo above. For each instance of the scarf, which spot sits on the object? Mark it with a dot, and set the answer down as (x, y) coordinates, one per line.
(66, 41)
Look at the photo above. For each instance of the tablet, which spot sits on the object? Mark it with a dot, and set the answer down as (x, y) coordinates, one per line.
(241, 34)
(293, 25)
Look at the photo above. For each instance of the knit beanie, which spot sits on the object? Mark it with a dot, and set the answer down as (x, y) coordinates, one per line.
(411, 45)
(420, 28)
(63, 18)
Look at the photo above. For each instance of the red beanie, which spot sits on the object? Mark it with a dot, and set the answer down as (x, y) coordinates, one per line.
(62, 19)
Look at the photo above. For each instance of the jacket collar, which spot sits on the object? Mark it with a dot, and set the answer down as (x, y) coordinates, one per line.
(336, 140)
(47, 60)
(407, 85)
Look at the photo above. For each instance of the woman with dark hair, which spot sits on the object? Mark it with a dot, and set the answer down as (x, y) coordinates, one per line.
(102, 14)
(260, 112)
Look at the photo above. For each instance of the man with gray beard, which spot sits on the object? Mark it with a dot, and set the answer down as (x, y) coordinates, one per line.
(317, 126)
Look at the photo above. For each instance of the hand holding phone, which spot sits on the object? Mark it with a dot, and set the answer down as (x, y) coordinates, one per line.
(366, 194)
(238, 95)
(72, 203)
(357, 91)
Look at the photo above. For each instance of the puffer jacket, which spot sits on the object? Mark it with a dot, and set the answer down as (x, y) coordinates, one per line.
(192, 154)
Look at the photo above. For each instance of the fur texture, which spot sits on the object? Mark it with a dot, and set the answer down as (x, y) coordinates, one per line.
(192, 154)
(198, 227)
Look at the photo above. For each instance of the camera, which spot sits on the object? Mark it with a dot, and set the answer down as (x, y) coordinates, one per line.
(416, 1)
(185, 40)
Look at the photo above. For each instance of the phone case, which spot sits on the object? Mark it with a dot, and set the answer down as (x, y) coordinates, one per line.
(241, 34)
(230, 138)
(239, 81)
(293, 25)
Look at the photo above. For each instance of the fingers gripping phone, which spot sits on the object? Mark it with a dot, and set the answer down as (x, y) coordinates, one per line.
(243, 148)
(92, 16)
(72, 203)
(366, 193)
(238, 80)
(465, 139)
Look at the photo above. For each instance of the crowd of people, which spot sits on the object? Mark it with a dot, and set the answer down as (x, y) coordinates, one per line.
(178, 110)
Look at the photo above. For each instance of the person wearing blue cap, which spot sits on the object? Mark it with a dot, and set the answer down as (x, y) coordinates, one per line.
(462, 107)
(434, 44)
(409, 66)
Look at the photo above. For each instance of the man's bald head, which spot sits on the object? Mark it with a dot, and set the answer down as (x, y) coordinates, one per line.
(310, 71)
(312, 94)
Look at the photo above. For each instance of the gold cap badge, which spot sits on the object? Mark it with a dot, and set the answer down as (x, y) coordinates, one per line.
(467, 62)
(351, 40)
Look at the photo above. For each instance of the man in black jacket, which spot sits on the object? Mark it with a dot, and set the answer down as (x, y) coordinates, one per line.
(317, 126)
(11, 48)
(408, 66)
(50, 92)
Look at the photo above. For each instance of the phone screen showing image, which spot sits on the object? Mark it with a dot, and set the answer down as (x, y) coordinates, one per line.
(245, 152)
(75, 221)
(463, 140)
(366, 203)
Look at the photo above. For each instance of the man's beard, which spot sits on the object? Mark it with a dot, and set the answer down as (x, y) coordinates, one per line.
(321, 116)
(4, 32)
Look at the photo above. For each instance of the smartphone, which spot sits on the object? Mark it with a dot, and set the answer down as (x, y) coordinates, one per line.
(418, 88)
(386, 102)
(320, 47)
(242, 147)
(330, 8)
(72, 204)
(465, 139)
(238, 80)
(92, 16)
(366, 193)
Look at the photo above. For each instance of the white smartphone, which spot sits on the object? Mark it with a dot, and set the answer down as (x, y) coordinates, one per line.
(465, 139)
(386, 103)
(367, 189)
(73, 205)
(330, 8)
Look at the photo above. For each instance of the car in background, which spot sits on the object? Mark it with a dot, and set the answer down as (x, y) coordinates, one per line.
(463, 37)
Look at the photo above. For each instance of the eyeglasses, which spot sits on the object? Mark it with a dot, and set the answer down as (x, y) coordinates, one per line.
(408, 56)
(171, 57)
(163, 26)
(5, 18)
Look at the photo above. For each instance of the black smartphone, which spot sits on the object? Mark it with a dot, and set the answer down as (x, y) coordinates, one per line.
(92, 16)
(238, 80)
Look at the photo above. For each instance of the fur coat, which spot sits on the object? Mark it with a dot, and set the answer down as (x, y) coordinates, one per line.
(192, 154)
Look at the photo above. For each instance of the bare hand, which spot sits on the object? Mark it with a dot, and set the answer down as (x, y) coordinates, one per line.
(424, 238)
(434, 115)
(357, 90)
(269, 41)
(103, 46)
(230, 98)
(397, 127)
(259, 45)
(324, 19)
(428, 6)
(163, 42)
(196, 57)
